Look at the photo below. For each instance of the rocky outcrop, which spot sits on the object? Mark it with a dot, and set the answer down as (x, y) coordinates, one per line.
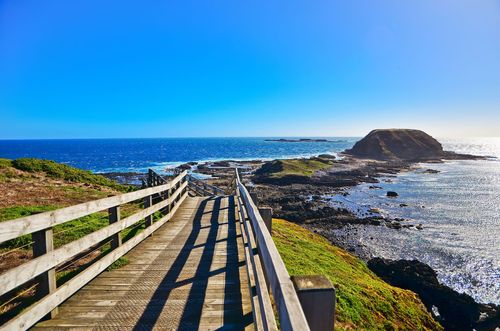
(456, 311)
(397, 144)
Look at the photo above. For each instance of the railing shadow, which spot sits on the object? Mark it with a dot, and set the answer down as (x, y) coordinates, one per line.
(158, 300)
(232, 315)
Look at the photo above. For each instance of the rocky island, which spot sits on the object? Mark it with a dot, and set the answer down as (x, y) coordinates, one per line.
(402, 145)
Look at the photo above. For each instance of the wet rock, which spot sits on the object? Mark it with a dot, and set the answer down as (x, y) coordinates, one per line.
(185, 166)
(403, 205)
(419, 227)
(391, 194)
(431, 171)
(374, 187)
(456, 311)
(394, 225)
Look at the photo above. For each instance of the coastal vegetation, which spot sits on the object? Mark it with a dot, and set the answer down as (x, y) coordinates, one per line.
(364, 301)
(293, 168)
(62, 171)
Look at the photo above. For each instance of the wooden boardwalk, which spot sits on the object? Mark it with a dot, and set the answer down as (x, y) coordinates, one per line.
(190, 275)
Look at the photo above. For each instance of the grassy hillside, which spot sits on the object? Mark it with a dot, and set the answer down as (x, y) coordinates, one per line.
(62, 171)
(32, 186)
(364, 301)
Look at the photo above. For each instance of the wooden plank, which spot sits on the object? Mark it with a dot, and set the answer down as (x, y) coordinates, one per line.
(26, 225)
(24, 272)
(34, 313)
(290, 311)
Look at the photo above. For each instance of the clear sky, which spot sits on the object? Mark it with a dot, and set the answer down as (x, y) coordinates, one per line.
(73, 69)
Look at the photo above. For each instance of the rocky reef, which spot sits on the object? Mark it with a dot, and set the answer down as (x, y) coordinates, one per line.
(455, 311)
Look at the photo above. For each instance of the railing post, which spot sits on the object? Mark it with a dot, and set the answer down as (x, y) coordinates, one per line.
(317, 298)
(150, 178)
(114, 216)
(43, 242)
(267, 216)
(148, 202)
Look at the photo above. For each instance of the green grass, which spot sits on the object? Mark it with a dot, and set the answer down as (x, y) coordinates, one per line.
(63, 171)
(364, 301)
(5, 163)
(122, 261)
(294, 167)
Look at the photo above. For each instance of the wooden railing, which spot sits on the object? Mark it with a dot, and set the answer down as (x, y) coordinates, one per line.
(201, 188)
(42, 268)
(267, 270)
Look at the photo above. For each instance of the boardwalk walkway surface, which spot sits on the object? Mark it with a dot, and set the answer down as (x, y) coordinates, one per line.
(190, 275)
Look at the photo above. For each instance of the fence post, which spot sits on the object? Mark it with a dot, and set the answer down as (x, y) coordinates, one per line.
(317, 298)
(148, 202)
(150, 178)
(43, 242)
(114, 216)
(267, 216)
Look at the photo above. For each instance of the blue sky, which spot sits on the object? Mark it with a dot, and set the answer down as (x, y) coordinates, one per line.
(73, 69)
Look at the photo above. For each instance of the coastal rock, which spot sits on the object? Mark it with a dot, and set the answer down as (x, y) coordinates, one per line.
(185, 166)
(456, 311)
(397, 144)
(392, 194)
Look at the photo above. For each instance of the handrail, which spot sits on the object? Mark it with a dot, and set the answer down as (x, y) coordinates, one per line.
(29, 224)
(204, 187)
(173, 194)
(290, 313)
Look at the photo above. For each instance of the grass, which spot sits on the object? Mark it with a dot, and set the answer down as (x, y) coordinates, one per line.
(294, 167)
(364, 301)
(62, 171)
(5, 163)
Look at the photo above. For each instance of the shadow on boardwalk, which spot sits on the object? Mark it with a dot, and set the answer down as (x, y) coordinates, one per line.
(190, 275)
(233, 317)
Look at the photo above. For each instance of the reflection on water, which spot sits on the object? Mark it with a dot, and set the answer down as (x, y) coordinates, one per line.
(459, 208)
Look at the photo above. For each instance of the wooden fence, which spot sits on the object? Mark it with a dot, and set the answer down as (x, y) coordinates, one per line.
(42, 267)
(268, 270)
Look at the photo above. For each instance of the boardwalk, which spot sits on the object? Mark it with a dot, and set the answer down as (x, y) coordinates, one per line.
(189, 275)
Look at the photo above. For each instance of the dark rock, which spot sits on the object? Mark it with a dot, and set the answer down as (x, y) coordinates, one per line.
(374, 187)
(185, 166)
(457, 311)
(431, 171)
(326, 156)
(403, 205)
(394, 225)
(392, 194)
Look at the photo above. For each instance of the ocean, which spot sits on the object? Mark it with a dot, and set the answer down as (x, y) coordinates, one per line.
(459, 207)
(137, 155)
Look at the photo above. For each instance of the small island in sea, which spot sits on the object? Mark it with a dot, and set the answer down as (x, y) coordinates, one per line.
(300, 140)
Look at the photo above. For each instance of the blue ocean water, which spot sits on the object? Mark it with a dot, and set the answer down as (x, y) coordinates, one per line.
(123, 155)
